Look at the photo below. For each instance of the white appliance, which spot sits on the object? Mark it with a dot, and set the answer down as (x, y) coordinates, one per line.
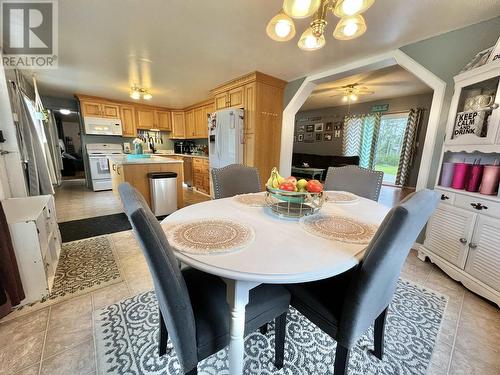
(226, 138)
(99, 164)
(103, 126)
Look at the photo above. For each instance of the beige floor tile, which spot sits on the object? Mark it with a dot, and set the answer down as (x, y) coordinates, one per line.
(475, 305)
(20, 354)
(75, 309)
(109, 295)
(441, 357)
(24, 327)
(478, 345)
(467, 364)
(67, 335)
(77, 361)
(32, 370)
(438, 278)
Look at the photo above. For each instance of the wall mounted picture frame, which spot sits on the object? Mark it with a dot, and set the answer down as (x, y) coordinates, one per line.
(318, 127)
(338, 125)
(337, 133)
(309, 128)
(329, 126)
(300, 138)
(319, 137)
(309, 137)
(301, 128)
(328, 137)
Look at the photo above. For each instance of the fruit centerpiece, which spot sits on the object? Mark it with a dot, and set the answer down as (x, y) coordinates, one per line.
(288, 197)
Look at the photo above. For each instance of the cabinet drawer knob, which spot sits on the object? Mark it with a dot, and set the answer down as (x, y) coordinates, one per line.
(444, 197)
(478, 206)
(463, 240)
(472, 245)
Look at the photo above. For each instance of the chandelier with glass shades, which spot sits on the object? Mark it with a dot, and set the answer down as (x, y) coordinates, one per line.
(351, 25)
(137, 92)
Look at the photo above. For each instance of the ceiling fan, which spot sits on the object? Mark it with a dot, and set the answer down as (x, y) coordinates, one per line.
(351, 92)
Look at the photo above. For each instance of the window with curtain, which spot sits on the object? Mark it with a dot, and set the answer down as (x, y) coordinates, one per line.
(384, 142)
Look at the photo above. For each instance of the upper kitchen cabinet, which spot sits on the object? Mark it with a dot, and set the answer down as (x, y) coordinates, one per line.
(95, 108)
(178, 125)
(151, 118)
(128, 121)
(261, 97)
(190, 130)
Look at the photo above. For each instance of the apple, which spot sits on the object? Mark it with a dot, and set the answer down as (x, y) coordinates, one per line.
(287, 186)
(301, 184)
(314, 186)
(291, 179)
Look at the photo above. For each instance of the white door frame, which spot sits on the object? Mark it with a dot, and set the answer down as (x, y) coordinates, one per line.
(395, 57)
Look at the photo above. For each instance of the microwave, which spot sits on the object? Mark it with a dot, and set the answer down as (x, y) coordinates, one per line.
(102, 126)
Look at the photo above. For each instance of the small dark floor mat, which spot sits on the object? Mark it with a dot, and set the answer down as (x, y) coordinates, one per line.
(94, 226)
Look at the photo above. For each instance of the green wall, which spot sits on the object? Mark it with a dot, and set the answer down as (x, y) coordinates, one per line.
(444, 55)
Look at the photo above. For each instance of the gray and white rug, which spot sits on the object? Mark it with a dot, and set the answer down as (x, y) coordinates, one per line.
(84, 266)
(126, 338)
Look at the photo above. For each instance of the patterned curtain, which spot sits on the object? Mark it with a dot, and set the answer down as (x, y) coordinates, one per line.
(360, 138)
(409, 146)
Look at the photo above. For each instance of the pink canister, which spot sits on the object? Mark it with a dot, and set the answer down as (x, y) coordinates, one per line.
(489, 183)
(460, 174)
(474, 178)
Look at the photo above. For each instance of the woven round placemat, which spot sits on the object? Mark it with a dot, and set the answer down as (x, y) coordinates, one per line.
(252, 199)
(209, 236)
(339, 228)
(341, 197)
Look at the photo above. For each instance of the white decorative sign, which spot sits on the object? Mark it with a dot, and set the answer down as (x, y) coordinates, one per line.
(469, 123)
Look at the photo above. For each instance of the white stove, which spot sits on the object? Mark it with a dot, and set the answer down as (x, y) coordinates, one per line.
(99, 164)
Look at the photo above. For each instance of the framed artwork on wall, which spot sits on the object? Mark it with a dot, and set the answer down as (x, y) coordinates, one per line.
(328, 137)
(301, 128)
(329, 126)
(318, 127)
(309, 137)
(310, 128)
(319, 137)
(300, 138)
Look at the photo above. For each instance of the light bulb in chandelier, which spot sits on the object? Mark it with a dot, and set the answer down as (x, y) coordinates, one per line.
(348, 8)
(301, 8)
(281, 28)
(345, 98)
(310, 42)
(135, 94)
(350, 27)
(353, 97)
(147, 96)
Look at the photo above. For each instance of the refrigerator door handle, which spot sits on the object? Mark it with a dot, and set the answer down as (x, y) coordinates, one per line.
(242, 136)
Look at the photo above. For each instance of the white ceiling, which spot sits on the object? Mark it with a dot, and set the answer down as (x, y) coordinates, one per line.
(391, 82)
(183, 48)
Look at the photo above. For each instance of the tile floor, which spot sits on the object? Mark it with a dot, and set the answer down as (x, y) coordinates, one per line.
(59, 339)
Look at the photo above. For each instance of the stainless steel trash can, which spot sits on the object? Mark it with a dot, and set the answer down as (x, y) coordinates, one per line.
(163, 189)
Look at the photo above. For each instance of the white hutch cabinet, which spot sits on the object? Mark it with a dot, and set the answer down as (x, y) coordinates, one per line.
(37, 242)
(463, 235)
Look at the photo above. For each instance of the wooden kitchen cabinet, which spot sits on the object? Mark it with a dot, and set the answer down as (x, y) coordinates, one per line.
(261, 97)
(200, 123)
(189, 124)
(100, 109)
(145, 118)
(128, 121)
(201, 177)
(178, 125)
(163, 120)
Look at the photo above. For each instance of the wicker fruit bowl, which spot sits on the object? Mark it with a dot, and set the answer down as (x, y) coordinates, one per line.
(293, 204)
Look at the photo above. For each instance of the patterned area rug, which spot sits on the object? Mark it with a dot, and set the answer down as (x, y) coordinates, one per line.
(126, 338)
(84, 266)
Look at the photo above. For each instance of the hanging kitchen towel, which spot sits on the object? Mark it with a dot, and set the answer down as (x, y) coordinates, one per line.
(104, 165)
(11, 288)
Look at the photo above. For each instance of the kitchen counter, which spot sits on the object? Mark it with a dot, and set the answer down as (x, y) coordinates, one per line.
(184, 155)
(124, 160)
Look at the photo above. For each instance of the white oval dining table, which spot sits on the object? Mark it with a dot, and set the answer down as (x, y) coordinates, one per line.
(282, 252)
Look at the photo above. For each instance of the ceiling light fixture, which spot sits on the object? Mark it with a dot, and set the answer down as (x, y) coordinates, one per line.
(351, 25)
(136, 93)
(64, 111)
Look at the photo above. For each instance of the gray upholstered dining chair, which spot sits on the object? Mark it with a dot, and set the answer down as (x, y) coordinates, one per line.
(345, 306)
(192, 304)
(235, 179)
(360, 181)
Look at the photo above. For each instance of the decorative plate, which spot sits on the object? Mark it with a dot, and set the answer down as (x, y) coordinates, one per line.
(339, 228)
(341, 197)
(252, 199)
(209, 236)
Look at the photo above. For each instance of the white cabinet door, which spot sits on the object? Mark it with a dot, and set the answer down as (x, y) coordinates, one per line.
(483, 261)
(449, 232)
